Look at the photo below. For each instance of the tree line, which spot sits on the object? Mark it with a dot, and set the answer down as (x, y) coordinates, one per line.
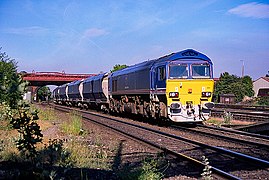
(241, 87)
(231, 84)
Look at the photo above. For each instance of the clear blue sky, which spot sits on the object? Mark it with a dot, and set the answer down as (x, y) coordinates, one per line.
(93, 35)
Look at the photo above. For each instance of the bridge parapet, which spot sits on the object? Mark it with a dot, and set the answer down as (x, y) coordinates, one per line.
(38, 79)
(52, 78)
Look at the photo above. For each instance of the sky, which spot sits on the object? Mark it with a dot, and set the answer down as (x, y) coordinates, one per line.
(91, 36)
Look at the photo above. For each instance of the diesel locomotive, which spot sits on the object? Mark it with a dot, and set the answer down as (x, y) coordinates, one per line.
(176, 87)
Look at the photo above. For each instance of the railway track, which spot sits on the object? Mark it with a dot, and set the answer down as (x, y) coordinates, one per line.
(241, 112)
(246, 115)
(244, 107)
(184, 148)
(246, 143)
(223, 129)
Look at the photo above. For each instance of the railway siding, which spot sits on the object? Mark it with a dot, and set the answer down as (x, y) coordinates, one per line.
(241, 114)
(258, 115)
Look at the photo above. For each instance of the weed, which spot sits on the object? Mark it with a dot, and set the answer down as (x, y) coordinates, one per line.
(56, 153)
(52, 175)
(47, 114)
(83, 156)
(207, 173)
(149, 170)
(4, 110)
(227, 116)
(74, 127)
(52, 152)
(5, 125)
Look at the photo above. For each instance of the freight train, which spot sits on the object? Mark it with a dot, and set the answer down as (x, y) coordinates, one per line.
(176, 87)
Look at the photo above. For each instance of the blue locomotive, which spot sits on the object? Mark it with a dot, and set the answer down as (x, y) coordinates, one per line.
(177, 87)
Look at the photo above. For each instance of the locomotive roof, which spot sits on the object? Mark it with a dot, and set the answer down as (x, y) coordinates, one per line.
(187, 55)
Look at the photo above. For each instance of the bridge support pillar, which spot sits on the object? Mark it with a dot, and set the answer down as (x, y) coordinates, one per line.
(34, 93)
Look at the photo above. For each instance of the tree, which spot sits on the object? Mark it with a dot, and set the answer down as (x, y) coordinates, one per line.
(12, 86)
(231, 84)
(12, 107)
(43, 93)
(247, 81)
(223, 85)
(118, 67)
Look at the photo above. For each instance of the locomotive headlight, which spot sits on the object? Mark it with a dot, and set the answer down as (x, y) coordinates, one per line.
(173, 94)
(206, 94)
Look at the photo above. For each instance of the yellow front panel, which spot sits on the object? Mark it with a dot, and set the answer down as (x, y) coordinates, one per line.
(189, 90)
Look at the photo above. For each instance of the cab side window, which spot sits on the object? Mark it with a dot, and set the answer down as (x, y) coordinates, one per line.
(161, 74)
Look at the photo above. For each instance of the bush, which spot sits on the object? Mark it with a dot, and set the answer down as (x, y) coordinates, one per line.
(149, 171)
(263, 101)
(30, 133)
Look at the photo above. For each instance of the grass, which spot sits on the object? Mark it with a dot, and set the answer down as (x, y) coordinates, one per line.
(74, 125)
(216, 122)
(75, 155)
(71, 153)
(149, 169)
(8, 150)
(225, 120)
(47, 114)
(83, 156)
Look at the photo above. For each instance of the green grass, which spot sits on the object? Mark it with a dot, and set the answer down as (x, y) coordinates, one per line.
(83, 156)
(74, 125)
(8, 150)
(47, 114)
(148, 170)
(214, 121)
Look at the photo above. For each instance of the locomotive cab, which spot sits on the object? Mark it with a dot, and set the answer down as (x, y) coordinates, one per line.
(189, 90)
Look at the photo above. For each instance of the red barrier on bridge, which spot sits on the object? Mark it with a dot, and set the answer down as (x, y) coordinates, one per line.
(46, 78)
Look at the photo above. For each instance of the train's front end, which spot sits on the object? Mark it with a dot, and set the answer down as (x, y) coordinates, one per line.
(189, 89)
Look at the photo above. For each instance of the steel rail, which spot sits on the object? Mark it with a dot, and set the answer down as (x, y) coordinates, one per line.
(254, 160)
(224, 137)
(166, 150)
(236, 131)
(256, 116)
(240, 156)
